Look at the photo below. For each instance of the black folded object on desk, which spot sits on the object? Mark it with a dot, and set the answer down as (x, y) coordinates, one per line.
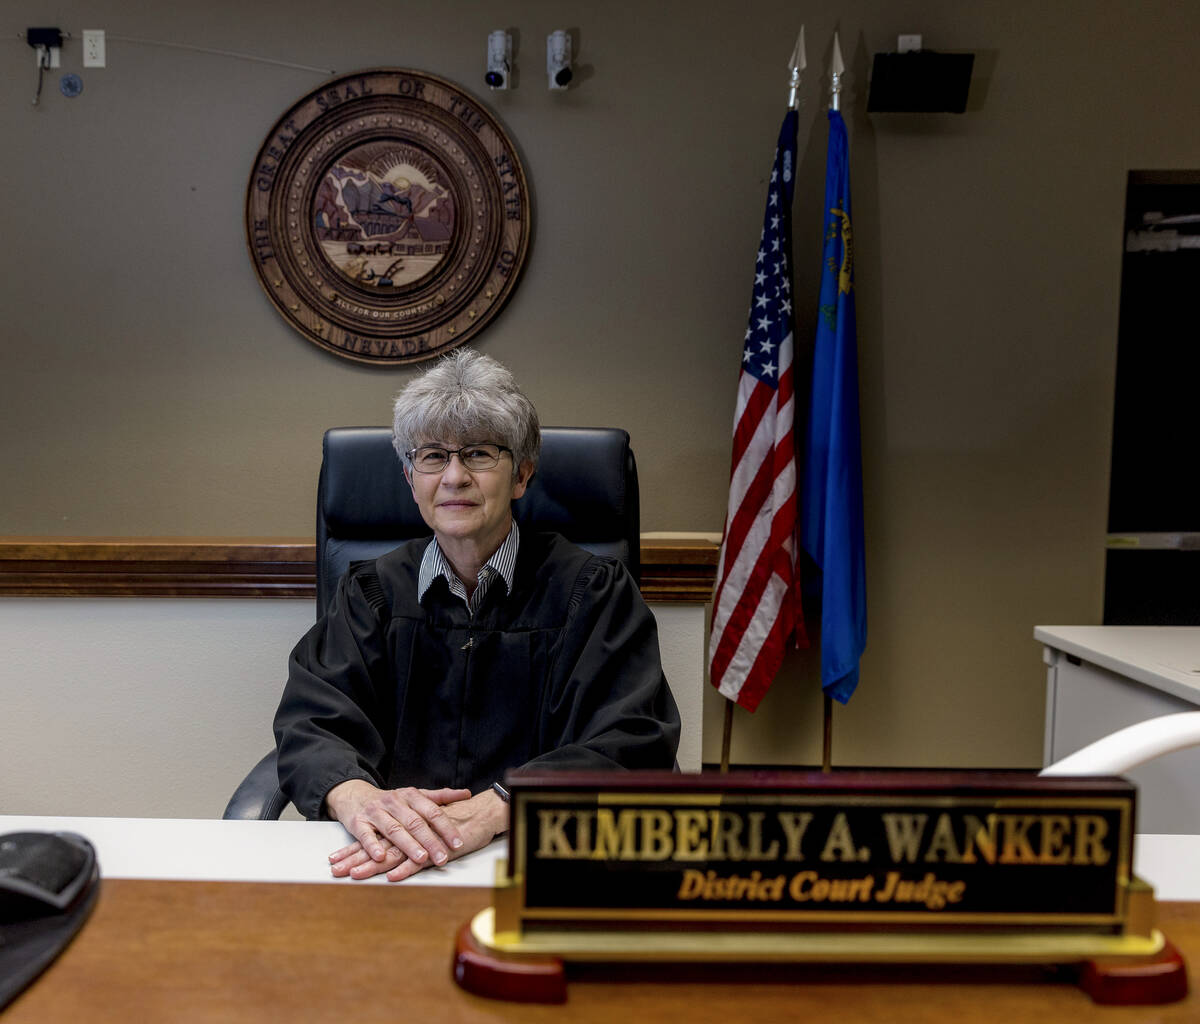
(49, 882)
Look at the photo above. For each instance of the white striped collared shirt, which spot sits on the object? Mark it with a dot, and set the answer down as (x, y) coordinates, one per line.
(501, 565)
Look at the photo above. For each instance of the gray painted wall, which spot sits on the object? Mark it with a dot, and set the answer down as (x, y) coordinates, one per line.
(148, 387)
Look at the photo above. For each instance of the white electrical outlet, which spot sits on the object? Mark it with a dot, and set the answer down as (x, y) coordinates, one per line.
(93, 48)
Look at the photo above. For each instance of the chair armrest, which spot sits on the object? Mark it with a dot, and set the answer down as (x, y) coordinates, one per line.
(1135, 744)
(259, 796)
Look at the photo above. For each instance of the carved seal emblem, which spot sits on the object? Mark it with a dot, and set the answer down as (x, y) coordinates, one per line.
(388, 216)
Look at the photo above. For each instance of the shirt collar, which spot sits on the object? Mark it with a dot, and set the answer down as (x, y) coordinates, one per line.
(503, 564)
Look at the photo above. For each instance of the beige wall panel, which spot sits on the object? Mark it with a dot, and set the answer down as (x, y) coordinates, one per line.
(148, 386)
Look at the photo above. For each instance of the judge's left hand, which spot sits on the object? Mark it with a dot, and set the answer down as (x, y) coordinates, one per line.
(479, 818)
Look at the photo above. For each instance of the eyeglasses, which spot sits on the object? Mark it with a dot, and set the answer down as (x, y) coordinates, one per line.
(433, 458)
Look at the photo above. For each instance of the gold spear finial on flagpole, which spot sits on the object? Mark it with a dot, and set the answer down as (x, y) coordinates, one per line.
(796, 65)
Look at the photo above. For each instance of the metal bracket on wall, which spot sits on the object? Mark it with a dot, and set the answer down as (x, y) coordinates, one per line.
(47, 46)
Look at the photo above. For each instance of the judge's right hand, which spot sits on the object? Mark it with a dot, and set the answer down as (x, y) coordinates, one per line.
(409, 820)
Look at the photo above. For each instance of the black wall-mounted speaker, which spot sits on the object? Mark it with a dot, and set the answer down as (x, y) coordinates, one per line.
(920, 81)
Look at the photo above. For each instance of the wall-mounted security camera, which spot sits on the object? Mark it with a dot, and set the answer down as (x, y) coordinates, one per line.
(558, 59)
(499, 59)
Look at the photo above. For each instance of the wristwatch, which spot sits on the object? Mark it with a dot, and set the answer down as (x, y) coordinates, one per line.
(500, 791)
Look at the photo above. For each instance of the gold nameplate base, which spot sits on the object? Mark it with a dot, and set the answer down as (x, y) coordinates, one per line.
(616, 945)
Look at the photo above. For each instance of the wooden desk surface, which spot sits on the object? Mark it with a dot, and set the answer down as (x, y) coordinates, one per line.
(176, 951)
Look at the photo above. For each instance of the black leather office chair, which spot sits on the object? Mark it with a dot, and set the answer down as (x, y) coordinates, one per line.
(585, 488)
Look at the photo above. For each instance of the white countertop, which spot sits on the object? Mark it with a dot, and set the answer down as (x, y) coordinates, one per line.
(1169, 864)
(1164, 657)
(186, 849)
(297, 851)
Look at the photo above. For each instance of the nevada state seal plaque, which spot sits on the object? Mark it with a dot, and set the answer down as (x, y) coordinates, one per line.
(388, 216)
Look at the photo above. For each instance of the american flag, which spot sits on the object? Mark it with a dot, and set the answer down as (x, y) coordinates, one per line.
(756, 604)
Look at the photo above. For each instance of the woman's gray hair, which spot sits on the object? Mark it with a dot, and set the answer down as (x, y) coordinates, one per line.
(466, 396)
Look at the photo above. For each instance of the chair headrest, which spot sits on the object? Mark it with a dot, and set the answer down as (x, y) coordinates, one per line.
(585, 488)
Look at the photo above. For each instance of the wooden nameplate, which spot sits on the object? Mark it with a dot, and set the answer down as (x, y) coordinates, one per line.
(800, 868)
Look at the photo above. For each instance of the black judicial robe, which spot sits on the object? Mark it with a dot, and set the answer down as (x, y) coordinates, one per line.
(563, 672)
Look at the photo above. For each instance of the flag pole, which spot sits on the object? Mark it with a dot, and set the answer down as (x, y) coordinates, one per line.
(766, 368)
(837, 69)
(827, 737)
(726, 736)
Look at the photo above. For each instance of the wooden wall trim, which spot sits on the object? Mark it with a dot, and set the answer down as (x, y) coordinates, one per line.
(678, 571)
(157, 567)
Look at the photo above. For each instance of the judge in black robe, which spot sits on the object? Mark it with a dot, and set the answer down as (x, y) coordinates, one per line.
(402, 709)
